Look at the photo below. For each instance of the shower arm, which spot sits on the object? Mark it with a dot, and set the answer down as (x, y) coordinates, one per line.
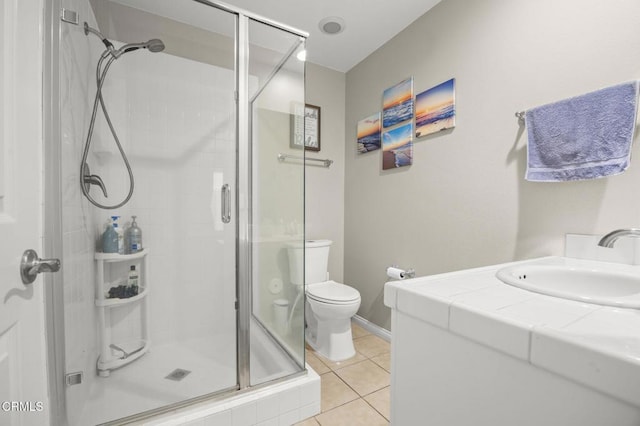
(88, 29)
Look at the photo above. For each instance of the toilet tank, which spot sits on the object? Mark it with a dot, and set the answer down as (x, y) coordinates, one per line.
(316, 261)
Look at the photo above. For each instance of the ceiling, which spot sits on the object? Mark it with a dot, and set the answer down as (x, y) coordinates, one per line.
(368, 24)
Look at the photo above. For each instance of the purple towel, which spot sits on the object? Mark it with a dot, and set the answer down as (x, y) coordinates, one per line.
(585, 137)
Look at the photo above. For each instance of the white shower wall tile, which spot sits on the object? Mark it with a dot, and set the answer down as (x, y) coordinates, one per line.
(219, 419)
(268, 408)
(310, 410)
(244, 415)
(289, 418)
(271, 422)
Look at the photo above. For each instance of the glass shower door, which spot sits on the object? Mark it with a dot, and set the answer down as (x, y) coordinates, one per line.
(175, 114)
(276, 99)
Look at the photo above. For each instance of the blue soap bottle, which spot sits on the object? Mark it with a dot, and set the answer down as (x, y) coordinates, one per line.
(109, 239)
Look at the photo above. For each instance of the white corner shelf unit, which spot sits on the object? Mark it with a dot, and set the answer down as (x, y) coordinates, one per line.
(112, 355)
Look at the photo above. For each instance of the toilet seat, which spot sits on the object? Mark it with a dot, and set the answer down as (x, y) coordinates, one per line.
(332, 292)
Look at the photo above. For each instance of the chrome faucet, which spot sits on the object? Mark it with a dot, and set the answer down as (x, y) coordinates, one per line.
(610, 239)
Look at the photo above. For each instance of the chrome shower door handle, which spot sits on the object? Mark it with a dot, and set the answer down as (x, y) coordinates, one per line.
(225, 214)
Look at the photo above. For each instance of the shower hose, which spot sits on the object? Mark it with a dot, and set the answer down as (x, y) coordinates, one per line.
(100, 77)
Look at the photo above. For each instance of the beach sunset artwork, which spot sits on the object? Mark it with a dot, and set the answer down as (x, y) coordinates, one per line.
(369, 133)
(397, 103)
(397, 147)
(436, 109)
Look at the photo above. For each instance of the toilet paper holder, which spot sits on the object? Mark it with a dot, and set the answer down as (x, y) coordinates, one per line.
(397, 273)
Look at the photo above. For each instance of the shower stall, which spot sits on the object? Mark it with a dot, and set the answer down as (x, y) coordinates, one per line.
(201, 123)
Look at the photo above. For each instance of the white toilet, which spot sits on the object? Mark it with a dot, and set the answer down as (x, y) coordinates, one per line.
(330, 305)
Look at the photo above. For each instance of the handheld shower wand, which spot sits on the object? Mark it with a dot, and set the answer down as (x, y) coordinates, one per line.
(86, 178)
(154, 45)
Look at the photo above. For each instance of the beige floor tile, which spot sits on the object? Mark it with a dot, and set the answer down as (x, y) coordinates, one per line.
(383, 361)
(381, 401)
(309, 422)
(315, 363)
(356, 413)
(371, 346)
(357, 331)
(334, 392)
(364, 377)
(358, 357)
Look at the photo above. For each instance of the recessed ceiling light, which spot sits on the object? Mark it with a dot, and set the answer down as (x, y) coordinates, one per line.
(332, 25)
(302, 55)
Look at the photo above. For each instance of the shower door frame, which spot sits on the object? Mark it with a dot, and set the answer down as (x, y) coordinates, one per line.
(244, 193)
(52, 208)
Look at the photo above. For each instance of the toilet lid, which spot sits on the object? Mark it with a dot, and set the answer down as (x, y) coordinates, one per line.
(331, 291)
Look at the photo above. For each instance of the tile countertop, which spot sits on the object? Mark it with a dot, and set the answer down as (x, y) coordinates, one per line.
(594, 345)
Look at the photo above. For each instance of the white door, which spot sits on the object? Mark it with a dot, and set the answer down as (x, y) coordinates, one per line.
(23, 389)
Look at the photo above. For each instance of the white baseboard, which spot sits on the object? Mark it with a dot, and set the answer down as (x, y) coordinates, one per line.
(372, 328)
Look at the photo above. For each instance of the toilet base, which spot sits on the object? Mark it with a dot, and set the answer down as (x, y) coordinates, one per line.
(332, 339)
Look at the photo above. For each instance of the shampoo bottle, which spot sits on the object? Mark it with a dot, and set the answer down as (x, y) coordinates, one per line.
(119, 232)
(133, 281)
(109, 239)
(134, 237)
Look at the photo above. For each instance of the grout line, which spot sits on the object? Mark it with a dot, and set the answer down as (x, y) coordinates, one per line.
(375, 409)
(349, 386)
(380, 365)
(362, 397)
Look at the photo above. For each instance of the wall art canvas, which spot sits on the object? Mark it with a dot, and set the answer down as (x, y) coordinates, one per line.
(369, 138)
(436, 109)
(397, 103)
(397, 147)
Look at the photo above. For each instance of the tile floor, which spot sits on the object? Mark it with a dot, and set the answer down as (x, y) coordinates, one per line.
(356, 391)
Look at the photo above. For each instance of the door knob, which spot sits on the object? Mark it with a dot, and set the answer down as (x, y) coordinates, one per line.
(31, 265)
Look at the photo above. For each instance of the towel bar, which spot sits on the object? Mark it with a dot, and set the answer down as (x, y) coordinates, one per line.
(325, 162)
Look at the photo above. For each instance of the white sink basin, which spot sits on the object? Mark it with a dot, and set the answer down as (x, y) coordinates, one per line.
(597, 284)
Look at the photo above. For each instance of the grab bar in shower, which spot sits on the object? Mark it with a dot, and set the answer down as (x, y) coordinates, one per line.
(325, 161)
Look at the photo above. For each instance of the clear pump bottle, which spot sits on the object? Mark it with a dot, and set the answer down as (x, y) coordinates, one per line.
(134, 237)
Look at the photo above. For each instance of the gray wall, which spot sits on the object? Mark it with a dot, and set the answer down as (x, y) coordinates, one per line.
(324, 201)
(464, 202)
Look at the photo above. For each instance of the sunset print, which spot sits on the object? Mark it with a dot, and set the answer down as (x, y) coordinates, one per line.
(369, 133)
(397, 147)
(435, 109)
(397, 102)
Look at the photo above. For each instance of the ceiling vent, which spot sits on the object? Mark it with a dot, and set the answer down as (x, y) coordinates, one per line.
(332, 25)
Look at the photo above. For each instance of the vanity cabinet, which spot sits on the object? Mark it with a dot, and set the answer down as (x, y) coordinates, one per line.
(468, 349)
(111, 271)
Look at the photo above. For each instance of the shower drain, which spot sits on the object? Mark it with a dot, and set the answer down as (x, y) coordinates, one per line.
(178, 374)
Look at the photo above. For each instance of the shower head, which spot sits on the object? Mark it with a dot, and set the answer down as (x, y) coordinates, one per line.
(154, 45)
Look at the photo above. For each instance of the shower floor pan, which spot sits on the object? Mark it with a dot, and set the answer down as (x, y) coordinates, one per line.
(144, 384)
